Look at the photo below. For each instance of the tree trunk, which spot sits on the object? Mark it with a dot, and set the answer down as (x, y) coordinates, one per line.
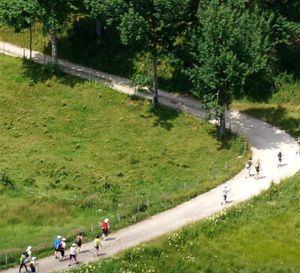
(222, 124)
(98, 30)
(54, 46)
(30, 43)
(155, 82)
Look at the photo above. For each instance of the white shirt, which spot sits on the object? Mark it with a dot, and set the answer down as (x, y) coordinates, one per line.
(72, 250)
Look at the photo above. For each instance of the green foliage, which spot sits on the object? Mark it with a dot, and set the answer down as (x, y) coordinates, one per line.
(52, 69)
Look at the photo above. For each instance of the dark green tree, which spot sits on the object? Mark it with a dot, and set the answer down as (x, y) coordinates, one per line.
(152, 26)
(20, 14)
(53, 15)
(228, 45)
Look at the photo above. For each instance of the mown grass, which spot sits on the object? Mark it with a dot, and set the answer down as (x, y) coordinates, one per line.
(74, 152)
(282, 109)
(260, 235)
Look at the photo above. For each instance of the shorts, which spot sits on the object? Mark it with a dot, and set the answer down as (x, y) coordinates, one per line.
(96, 247)
(72, 256)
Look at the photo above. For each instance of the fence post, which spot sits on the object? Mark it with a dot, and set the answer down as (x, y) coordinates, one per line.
(197, 182)
(245, 147)
(92, 228)
(164, 196)
(50, 194)
(23, 52)
(226, 165)
(119, 217)
(184, 186)
(138, 208)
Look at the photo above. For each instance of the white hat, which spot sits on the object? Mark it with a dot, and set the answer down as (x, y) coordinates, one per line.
(33, 258)
(64, 239)
(106, 220)
(73, 244)
(29, 247)
(58, 237)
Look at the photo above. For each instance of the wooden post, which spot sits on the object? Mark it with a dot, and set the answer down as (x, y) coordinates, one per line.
(50, 194)
(245, 147)
(226, 165)
(24, 53)
(164, 196)
(92, 228)
(138, 208)
(119, 217)
(184, 186)
(197, 182)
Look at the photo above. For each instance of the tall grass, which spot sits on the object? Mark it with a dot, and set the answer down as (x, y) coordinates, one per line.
(260, 235)
(74, 152)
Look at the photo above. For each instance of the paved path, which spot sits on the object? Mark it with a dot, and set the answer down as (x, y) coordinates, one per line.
(266, 140)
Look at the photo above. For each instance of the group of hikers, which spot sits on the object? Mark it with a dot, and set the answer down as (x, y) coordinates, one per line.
(258, 168)
(60, 245)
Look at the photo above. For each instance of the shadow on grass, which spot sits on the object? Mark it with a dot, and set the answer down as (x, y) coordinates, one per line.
(278, 117)
(163, 116)
(35, 73)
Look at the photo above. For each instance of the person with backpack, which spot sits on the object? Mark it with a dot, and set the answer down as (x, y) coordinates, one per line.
(105, 228)
(97, 245)
(258, 168)
(60, 250)
(23, 262)
(248, 167)
(56, 242)
(279, 156)
(33, 264)
(28, 253)
(225, 192)
(78, 242)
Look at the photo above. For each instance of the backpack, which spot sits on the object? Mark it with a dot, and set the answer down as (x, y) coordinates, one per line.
(26, 254)
(78, 240)
(59, 246)
(104, 225)
(96, 243)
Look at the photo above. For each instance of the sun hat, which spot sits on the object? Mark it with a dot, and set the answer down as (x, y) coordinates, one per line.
(64, 239)
(106, 220)
(29, 247)
(58, 237)
(73, 244)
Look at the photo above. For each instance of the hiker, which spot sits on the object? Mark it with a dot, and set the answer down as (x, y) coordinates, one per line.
(258, 168)
(57, 241)
(72, 254)
(248, 167)
(63, 243)
(97, 245)
(105, 227)
(60, 249)
(28, 253)
(78, 242)
(279, 155)
(23, 262)
(33, 264)
(298, 152)
(225, 193)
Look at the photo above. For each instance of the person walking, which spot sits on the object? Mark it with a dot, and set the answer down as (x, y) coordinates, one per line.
(279, 156)
(258, 168)
(72, 254)
(105, 228)
(56, 242)
(97, 245)
(298, 152)
(63, 243)
(33, 264)
(78, 242)
(28, 253)
(23, 262)
(225, 192)
(248, 167)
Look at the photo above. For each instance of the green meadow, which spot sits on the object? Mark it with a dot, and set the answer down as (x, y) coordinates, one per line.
(260, 235)
(74, 152)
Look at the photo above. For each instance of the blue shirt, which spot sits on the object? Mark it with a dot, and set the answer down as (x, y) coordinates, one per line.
(57, 241)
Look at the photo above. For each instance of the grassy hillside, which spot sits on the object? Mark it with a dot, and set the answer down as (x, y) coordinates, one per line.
(261, 235)
(74, 152)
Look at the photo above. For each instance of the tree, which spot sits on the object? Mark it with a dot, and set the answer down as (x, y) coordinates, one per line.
(152, 26)
(19, 14)
(228, 45)
(53, 15)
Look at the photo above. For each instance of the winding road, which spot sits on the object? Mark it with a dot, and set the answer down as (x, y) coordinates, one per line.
(265, 140)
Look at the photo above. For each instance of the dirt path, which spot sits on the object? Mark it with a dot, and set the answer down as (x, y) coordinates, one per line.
(266, 140)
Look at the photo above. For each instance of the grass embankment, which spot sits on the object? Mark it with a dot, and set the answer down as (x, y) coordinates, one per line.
(260, 235)
(74, 152)
(77, 43)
